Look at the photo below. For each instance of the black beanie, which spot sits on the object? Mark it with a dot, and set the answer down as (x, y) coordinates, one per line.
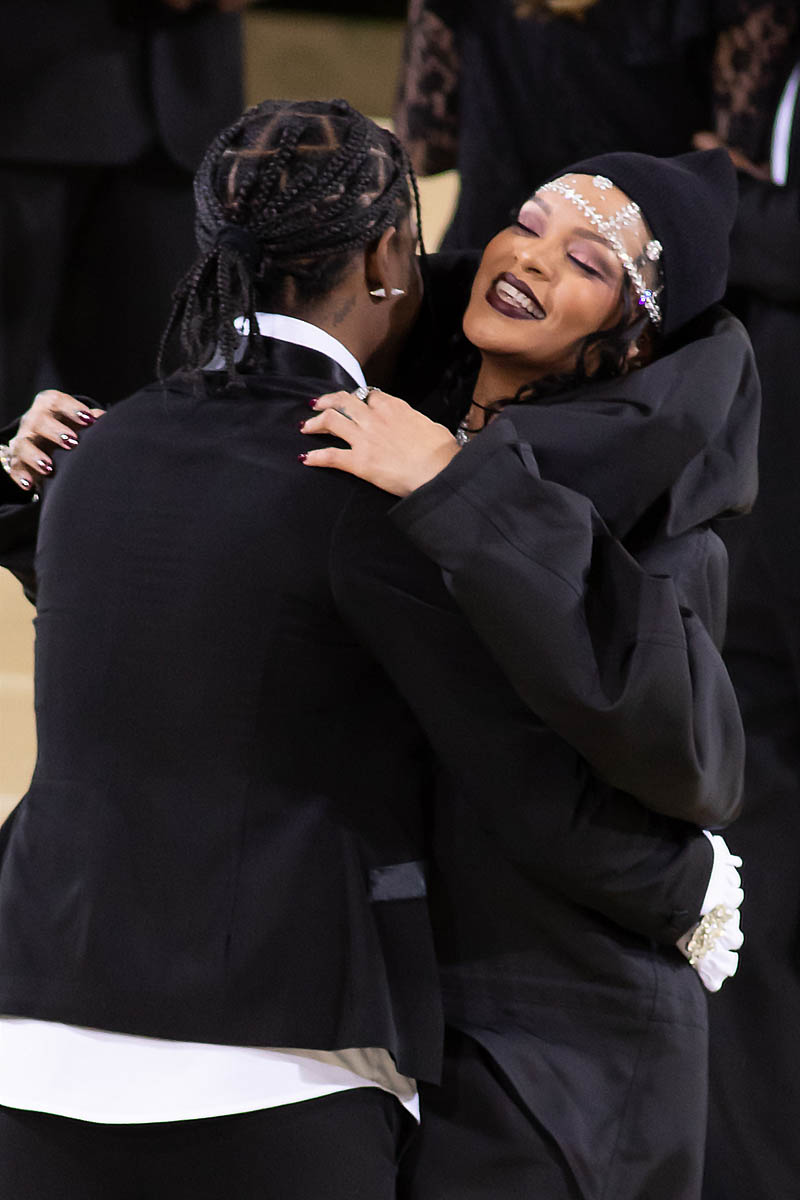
(689, 202)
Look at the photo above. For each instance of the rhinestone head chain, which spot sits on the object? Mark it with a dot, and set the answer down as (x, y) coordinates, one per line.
(613, 228)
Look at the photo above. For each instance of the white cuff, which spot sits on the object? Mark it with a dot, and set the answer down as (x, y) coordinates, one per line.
(712, 947)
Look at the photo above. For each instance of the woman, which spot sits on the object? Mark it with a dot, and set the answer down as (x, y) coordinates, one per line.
(571, 508)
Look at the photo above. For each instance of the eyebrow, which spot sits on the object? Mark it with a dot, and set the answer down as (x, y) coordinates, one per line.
(589, 234)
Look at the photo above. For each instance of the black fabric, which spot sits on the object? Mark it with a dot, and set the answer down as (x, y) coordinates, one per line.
(570, 841)
(477, 1139)
(528, 893)
(491, 1129)
(342, 1147)
(605, 499)
(689, 203)
(755, 1084)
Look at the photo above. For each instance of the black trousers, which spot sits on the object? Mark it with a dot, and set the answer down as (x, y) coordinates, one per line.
(340, 1147)
(89, 258)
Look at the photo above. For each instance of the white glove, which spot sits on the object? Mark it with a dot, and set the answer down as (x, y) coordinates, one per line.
(712, 946)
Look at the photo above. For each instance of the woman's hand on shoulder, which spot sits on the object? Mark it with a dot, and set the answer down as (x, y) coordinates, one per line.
(391, 445)
(53, 422)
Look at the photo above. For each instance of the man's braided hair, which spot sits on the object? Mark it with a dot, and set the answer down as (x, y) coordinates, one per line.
(284, 196)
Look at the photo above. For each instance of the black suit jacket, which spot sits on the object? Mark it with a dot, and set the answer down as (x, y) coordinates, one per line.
(222, 840)
(102, 81)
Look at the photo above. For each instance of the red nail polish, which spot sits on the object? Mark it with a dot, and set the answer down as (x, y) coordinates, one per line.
(302, 425)
(84, 418)
(26, 483)
(313, 403)
(68, 440)
(302, 458)
(45, 466)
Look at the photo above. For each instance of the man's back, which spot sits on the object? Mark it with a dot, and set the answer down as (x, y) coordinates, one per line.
(220, 837)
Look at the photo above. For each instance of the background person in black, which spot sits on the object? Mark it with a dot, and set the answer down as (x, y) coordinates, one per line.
(509, 92)
(107, 107)
(753, 1153)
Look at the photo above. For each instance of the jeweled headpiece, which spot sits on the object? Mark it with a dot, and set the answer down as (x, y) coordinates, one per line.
(623, 231)
(689, 202)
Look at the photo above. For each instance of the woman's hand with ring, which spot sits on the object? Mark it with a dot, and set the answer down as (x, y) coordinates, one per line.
(391, 445)
(53, 422)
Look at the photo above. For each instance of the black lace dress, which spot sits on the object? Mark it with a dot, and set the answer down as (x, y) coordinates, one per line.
(510, 99)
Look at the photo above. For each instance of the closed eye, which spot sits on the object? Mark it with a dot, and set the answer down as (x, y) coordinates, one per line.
(584, 266)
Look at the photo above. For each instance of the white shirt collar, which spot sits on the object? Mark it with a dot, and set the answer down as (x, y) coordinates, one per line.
(302, 333)
(782, 129)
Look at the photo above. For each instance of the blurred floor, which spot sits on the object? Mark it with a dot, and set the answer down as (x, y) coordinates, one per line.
(286, 56)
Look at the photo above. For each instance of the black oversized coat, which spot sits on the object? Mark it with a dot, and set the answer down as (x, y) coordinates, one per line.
(578, 537)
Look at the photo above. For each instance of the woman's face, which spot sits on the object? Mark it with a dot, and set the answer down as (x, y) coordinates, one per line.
(546, 282)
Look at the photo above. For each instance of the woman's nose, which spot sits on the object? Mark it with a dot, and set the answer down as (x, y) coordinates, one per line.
(535, 254)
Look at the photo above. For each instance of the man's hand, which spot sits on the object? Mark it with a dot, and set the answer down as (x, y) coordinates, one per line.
(53, 422)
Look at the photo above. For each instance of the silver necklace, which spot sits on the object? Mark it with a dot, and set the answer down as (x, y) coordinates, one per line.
(464, 434)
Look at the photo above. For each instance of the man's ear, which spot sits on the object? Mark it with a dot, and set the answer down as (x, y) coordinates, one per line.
(381, 271)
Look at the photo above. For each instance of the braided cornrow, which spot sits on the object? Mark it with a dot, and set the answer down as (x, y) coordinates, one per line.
(283, 198)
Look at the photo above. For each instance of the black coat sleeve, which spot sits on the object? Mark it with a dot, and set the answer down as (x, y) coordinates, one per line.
(531, 792)
(606, 653)
(19, 523)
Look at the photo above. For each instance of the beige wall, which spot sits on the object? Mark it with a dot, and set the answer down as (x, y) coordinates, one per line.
(290, 56)
(17, 736)
(286, 56)
(318, 58)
